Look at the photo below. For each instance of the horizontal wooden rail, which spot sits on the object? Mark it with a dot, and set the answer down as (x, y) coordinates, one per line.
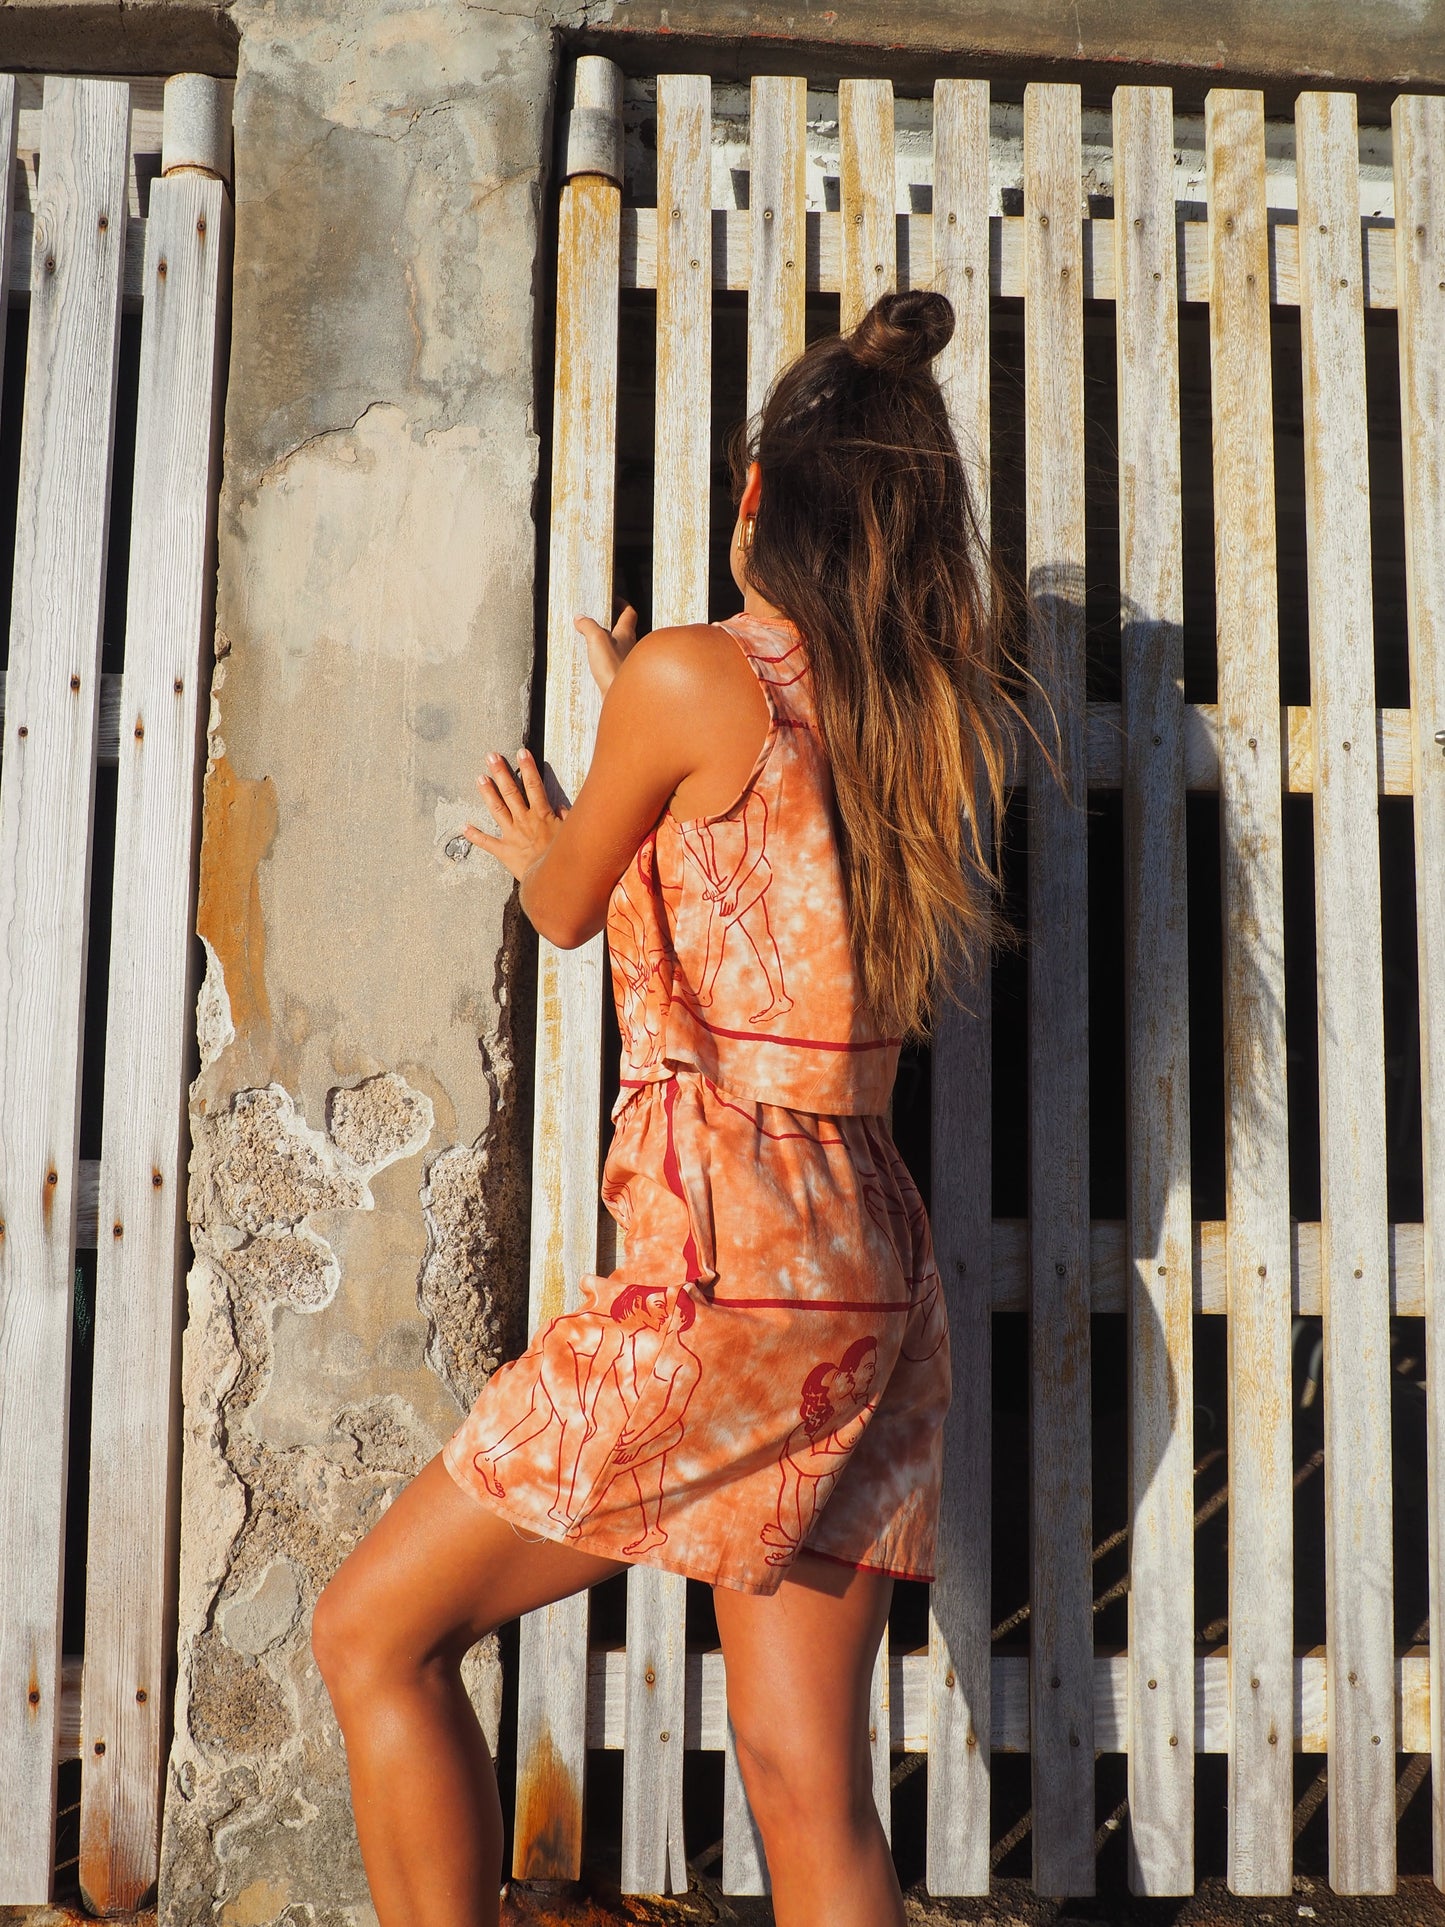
(705, 1717)
(1106, 1252)
(132, 270)
(732, 255)
(1104, 742)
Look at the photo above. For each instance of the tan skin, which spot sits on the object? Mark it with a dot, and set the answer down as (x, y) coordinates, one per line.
(682, 722)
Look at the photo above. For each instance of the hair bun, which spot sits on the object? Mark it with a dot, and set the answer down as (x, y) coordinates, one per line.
(901, 333)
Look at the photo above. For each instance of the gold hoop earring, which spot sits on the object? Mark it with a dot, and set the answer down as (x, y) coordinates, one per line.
(745, 535)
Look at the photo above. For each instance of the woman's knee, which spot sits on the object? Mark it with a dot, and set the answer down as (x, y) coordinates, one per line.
(791, 1784)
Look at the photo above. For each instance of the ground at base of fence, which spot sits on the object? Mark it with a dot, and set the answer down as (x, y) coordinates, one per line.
(1417, 1904)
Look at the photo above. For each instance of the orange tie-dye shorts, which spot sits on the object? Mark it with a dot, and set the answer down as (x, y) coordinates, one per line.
(767, 1369)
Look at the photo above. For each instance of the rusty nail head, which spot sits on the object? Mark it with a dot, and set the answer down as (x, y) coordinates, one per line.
(953, 220)
(140, 1696)
(117, 1230)
(104, 222)
(178, 685)
(664, 1736)
(1374, 1739)
(1152, 1684)
(1174, 1739)
(1263, 1271)
(51, 1178)
(161, 268)
(1060, 1270)
(1358, 1272)
(1043, 220)
(100, 1746)
(157, 1180)
(1273, 1738)
(1255, 1684)
(767, 214)
(34, 1696)
(650, 1677)
(948, 1679)
(75, 682)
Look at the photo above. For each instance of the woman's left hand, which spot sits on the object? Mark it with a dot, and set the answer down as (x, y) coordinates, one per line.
(526, 822)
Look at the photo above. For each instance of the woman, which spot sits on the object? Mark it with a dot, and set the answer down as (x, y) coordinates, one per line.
(779, 833)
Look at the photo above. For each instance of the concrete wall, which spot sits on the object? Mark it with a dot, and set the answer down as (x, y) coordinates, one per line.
(361, 1113)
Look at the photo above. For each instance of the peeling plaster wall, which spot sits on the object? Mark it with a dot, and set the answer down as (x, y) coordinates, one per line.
(358, 1195)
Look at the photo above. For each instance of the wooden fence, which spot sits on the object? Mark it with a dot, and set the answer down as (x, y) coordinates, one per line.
(91, 246)
(1166, 1698)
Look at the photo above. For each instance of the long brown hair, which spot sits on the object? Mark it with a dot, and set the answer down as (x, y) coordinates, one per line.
(867, 539)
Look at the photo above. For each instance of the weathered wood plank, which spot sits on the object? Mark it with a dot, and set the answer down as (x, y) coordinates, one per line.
(1061, 1589)
(1419, 132)
(909, 1692)
(1355, 1258)
(653, 1855)
(1103, 744)
(1261, 1506)
(959, 1619)
(880, 1736)
(776, 155)
(1156, 987)
(868, 245)
(915, 242)
(552, 1673)
(47, 789)
(140, 1268)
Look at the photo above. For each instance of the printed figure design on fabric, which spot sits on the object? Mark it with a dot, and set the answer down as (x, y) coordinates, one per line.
(642, 961)
(897, 1209)
(731, 853)
(832, 1416)
(616, 1386)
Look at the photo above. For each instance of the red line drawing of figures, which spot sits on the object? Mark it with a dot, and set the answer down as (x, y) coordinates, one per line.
(647, 1393)
(898, 1210)
(816, 1450)
(736, 873)
(576, 1359)
(639, 953)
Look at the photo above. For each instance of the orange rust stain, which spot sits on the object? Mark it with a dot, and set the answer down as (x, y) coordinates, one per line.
(548, 1838)
(239, 827)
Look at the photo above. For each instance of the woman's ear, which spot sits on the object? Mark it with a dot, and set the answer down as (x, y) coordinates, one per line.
(752, 491)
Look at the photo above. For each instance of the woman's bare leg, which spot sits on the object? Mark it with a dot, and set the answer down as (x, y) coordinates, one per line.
(435, 1574)
(799, 1666)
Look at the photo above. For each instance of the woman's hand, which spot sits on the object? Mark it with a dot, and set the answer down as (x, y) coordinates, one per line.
(526, 822)
(605, 652)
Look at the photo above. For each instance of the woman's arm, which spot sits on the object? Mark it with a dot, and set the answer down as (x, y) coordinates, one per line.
(682, 712)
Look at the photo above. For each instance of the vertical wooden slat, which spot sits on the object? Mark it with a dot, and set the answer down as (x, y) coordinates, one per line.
(652, 1839)
(867, 188)
(744, 1865)
(1261, 1515)
(1159, 1258)
(552, 1661)
(1354, 1256)
(46, 794)
(140, 1261)
(776, 277)
(959, 1716)
(880, 1736)
(1062, 1656)
(776, 337)
(1419, 136)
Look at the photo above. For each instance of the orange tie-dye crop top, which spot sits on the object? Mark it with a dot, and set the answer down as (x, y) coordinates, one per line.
(728, 934)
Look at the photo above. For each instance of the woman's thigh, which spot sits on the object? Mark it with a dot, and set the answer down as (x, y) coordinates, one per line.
(799, 1670)
(437, 1572)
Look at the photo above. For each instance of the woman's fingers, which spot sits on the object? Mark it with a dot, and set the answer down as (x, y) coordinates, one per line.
(624, 630)
(532, 784)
